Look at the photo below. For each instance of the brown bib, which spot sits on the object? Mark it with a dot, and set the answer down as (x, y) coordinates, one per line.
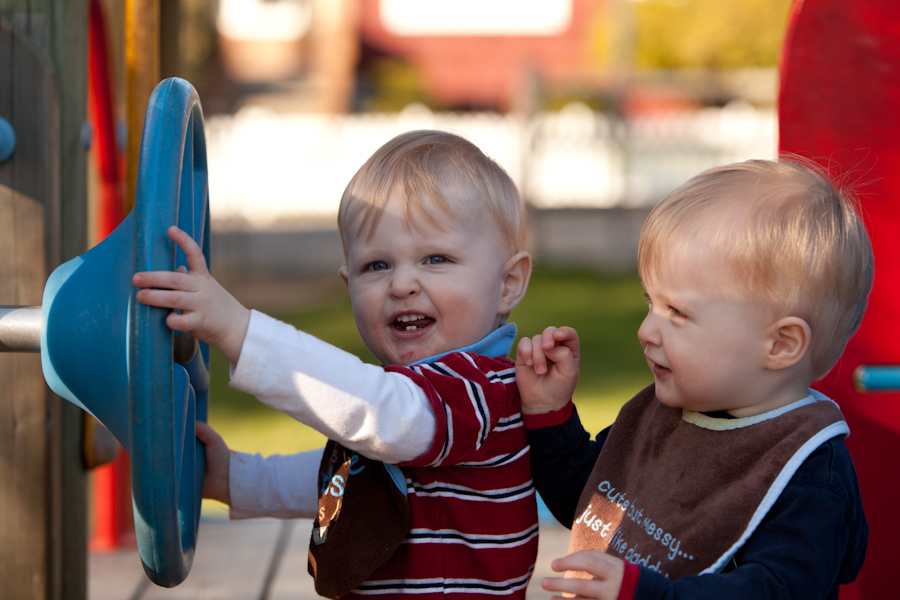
(363, 517)
(679, 492)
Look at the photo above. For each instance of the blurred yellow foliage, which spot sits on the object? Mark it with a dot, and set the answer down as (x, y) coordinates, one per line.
(712, 34)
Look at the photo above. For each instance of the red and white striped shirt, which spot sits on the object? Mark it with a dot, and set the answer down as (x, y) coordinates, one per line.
(474, 513)
(454, 427)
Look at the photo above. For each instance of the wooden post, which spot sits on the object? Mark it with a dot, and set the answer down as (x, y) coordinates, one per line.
(42, 482)
(141, 76)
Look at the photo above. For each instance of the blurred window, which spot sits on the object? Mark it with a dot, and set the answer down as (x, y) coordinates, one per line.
(476, 17)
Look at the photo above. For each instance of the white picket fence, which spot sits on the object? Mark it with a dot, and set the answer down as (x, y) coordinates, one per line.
(267, 169)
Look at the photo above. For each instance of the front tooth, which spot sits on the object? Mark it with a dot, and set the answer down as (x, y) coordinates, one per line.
(411, 328)
(408, 318)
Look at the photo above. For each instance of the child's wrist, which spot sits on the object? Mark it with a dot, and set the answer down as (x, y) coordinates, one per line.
(551, 418)
(233, 342)
(630, 576)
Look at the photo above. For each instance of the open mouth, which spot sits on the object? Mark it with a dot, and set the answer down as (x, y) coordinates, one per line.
(412, 322)
(657, 368)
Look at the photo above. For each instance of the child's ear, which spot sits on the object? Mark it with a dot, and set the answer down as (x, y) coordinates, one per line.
(516, 275)
(788, 342)
(345, 276)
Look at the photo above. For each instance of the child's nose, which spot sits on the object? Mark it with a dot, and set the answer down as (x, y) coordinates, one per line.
(404, 283)
(648, 332)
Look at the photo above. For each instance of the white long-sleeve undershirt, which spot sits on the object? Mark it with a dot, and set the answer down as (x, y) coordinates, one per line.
(279, 486)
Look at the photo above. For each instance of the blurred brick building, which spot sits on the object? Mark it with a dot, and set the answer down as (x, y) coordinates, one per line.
(338, 56)
(479, 54)
(485, 53)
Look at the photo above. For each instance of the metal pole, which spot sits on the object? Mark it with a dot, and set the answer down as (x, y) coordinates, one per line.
(20, 328)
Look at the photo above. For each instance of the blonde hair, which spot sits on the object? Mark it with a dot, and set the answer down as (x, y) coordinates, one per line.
(789, 235)
(435, 175)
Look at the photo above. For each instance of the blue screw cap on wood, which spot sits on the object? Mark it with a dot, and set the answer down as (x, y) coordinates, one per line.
(7, 140)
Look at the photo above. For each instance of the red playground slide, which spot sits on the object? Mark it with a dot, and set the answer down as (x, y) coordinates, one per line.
(840, 106)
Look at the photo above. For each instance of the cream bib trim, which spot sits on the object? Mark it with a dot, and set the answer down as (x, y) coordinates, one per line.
(714, 424)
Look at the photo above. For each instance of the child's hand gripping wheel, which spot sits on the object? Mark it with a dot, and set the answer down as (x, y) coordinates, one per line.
(117, 359)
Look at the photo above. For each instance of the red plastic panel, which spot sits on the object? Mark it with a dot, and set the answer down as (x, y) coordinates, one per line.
(840, 105)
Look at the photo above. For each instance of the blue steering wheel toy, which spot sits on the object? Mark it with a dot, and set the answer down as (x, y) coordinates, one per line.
(116, 358)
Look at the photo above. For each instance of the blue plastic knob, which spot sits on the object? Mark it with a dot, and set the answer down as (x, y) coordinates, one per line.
(7, 140)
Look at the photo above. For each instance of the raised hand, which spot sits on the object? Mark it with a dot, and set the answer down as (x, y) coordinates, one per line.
(547, 369)
(208, 311)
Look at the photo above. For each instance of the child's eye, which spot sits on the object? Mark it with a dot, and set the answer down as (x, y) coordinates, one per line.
(378, 265)
(677, 313)
(435, 260)
(646, 298)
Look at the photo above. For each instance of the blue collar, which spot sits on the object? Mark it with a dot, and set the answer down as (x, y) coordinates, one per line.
(497, 343)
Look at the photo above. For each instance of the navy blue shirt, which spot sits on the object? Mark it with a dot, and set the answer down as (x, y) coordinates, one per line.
(811, 541)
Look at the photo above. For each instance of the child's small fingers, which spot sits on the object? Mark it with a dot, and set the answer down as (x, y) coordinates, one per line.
(161, 298)
(563, 333)
(558, 355)
(598, 564)
(575, 588)
(195, 259)
(184, 321)
(538, 358)
(523, 351)
(167, 280)
(180, 236)
(184, 241)
(546, 336)
(551, 584)
(177, 322)
(145, 279)
(566, 336)
(206, 434)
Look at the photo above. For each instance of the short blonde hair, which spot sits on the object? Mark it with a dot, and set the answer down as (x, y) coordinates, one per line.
(435, 174)
(798, 244)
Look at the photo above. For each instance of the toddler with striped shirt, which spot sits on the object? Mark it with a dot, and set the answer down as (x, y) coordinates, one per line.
(425, 485)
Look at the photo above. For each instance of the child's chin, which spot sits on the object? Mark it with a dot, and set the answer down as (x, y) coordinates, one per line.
(668, 399)
(408, 358)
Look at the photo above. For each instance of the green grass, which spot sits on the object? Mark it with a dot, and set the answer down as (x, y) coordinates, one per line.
(605, 310)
